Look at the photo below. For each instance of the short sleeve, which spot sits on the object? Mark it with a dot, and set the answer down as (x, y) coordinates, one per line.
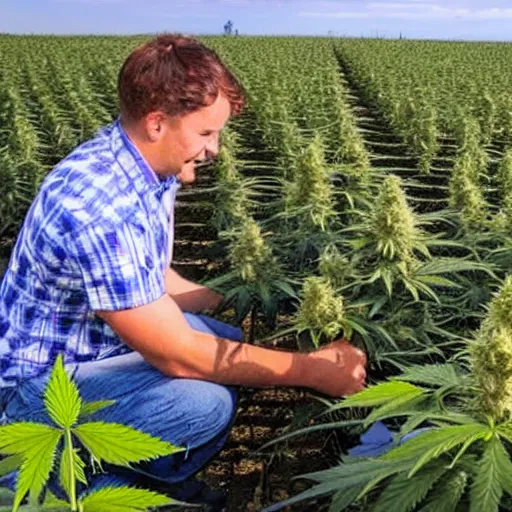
(117, 266)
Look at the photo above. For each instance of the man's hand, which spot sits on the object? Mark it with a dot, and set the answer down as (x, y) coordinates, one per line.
(337, 369)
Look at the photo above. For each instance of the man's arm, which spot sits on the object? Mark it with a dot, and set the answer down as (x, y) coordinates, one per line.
(161, 334)
(189, 296)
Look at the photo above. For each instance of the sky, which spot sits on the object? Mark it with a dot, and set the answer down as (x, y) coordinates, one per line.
(413, 19)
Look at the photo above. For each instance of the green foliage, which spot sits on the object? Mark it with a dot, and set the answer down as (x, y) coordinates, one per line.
(466, 195)
(393, 225)
(255, 280)
(504, 178)
(119, 444)
(310, 193)
(250, 255)
(122, 499)
(34, 449)
(381, 394)
(402, 494)
(466, 407)
(321, 311)
(492, 356)
(334, 266)
(493, 477)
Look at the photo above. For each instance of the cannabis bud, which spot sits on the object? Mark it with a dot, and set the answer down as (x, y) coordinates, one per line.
(492, 356)
(321, 311)
(393, 224)
(250, 254)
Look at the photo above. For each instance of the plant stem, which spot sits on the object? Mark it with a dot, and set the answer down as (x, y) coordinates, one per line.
(253, 325)
(72, 476)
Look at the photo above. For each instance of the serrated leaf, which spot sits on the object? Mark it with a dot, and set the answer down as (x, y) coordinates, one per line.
(448, 265)
(18, 438)
(438, 281)
(494, 474)
(434, 374)
(285, 288)
(69, 454)
(379, 394)
(505, 430)
(36, 467)
(435, 415)
(120, 444)
(399, 406)
(447, 494)
(431, 444)
(10, 464)
(345, 476)
(90, 408)
(377, 306)
(413, 289)
(342, 499)
(402, 494)
(61, 397)
(123, 499)
(388, 281)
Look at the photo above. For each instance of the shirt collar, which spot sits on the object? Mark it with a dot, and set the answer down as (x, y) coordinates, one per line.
(135, 165)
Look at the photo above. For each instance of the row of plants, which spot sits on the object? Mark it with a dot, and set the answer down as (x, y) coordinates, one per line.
(319, 245)
(352, 258)
(426, 90)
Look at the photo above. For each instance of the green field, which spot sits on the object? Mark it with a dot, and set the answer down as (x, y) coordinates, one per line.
(365, 191)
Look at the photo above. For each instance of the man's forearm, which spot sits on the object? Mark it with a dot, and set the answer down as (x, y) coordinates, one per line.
(160, 332)
(227, 362)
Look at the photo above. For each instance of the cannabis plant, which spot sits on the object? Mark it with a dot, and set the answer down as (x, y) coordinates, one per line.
(40, 452)
(307, 211)
(451, 446)
(255, 280)
(351, 152)
(388, 241)
(492, 357)
(418, 120)
(466, 195)
(334, 266)
(487, 116)
(393, 225)
(503, 220)
(310, 194)
(505, 175)
(231, 191)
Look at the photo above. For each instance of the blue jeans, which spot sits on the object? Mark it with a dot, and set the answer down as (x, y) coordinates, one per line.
(193, 414)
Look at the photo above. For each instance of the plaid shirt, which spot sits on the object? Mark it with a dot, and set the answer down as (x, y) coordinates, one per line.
(96, 237)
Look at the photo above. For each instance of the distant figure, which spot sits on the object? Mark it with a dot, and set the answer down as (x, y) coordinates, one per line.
(228, 28)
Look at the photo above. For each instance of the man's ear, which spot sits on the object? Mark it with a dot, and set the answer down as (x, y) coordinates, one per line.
(154, 125)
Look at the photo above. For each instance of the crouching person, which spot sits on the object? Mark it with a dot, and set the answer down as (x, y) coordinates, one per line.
(90, 278)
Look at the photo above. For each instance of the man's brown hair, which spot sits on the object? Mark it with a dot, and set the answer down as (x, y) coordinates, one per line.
(175, 74)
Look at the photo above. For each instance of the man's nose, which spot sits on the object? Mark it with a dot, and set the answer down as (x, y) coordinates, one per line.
(212, 147)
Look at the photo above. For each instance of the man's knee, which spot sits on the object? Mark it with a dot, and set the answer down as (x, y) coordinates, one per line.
(216, 406)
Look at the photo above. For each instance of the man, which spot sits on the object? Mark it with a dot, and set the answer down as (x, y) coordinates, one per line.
(89, 276)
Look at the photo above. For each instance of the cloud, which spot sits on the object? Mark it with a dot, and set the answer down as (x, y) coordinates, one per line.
(411, 11)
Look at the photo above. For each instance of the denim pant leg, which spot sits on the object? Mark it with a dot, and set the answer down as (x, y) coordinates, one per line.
(194, 414)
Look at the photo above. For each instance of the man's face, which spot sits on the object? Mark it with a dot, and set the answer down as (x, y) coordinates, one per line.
(192, 138)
